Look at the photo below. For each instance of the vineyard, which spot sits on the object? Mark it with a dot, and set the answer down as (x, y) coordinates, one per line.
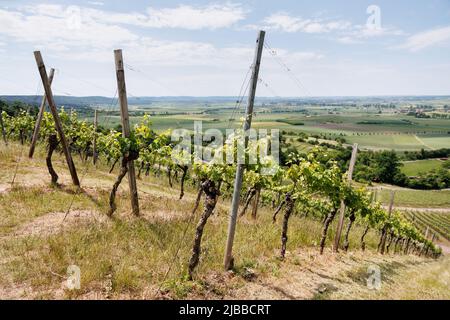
(306, 187)
(439, 223)
(178, 181)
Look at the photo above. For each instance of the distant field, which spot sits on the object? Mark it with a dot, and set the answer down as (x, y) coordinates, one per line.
(436, 142)
(388, 141)
(438, 222)
(368, 128)
(417, 198)
(413, 168)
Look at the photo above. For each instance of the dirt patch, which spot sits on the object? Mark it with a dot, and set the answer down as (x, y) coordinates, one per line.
(425, 209)
(55, 222)
(162, 215)
(308, 275)
(4, 188)
(15, 292)
(445, 248)
(25, 292)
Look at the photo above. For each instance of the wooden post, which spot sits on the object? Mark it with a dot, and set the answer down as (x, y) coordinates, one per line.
(240, 166)
(94, 143)
(426, 232)
(3, 127)
(391, 203)
(337, 238)
(384, 231)
(255, 203)
(58, 125)
(40, 115)
(122, 91)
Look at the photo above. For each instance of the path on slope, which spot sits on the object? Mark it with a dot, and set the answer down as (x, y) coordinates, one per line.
(307, 275)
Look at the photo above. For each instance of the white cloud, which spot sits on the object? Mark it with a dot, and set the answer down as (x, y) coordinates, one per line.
(187, 17)
(361, 33)
(347, 33)
(46, 26)
(364, 32)
(151, 52)
(292, 57)
(96, 3)
(348, 40)
(287, 23)
(427, 39)
(54, 29)
(213, 16)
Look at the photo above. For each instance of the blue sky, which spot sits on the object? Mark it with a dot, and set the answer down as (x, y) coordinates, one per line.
(203, 48)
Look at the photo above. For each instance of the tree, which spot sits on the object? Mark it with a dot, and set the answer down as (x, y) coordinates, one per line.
(387, 166)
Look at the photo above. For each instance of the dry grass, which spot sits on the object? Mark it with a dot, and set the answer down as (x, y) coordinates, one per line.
(128, 257)
(417, 280)
(135, 252)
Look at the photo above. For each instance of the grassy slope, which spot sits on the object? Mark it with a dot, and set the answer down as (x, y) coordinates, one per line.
(414, 168)
(416, 198)
(419, 281)
(128, 257)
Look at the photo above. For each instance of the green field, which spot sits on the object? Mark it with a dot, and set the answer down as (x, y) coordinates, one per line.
(365, 126)
(435, 142)
(389, 141)
(414, 168)
(416, 198)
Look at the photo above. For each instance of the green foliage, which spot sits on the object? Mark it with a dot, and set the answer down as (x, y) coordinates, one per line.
(15, 108)
(381, 167)
(315, 180)
(18, 127)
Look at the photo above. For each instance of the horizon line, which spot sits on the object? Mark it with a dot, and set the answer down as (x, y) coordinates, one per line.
(233, 97)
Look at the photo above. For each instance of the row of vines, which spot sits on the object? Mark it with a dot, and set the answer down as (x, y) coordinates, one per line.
(438, 222)
(305, 186)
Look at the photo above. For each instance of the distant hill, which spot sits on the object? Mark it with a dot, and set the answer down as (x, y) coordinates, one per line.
(86, 102)
(80, 102)
(98, 100)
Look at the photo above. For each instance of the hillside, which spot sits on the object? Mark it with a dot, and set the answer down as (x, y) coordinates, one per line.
(46, 229)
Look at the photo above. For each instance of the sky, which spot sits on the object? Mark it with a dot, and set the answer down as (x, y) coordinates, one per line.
(203, 48)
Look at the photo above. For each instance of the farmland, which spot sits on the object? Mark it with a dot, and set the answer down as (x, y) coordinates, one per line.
(51, 226)
(438, 223)
(412, 168)
(372, 128)
(416, 198)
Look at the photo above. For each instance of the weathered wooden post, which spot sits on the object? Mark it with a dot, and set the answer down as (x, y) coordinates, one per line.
(384, 231)
(40, 115)
(228, 260)
(337, 238)
(122, 91)
(3, 128)
(255, 203)
(59, 128)
(94, 142)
